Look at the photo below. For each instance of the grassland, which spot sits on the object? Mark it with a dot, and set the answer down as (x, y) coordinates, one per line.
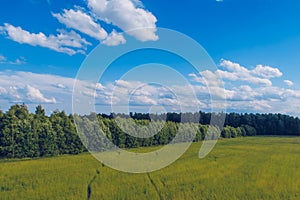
(242, 168)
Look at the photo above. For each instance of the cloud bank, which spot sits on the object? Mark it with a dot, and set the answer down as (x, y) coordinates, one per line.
(243, 93)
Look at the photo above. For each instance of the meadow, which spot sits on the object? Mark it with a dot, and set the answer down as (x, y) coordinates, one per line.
(240, 168)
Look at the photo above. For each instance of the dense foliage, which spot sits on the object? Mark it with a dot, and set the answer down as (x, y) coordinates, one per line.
(25, 134)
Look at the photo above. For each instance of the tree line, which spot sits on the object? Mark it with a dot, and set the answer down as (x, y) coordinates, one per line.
(25, 134)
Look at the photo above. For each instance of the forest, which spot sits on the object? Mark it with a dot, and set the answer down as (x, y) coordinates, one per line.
(28, 135)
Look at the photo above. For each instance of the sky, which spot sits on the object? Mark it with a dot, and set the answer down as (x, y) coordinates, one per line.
(254, 45)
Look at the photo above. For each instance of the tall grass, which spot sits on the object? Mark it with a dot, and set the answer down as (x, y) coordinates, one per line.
(64, 177)
(242, 168)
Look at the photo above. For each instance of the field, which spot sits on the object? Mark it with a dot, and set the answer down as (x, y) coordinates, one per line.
(242, 168)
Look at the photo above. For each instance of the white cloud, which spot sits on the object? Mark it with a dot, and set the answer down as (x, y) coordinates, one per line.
(266, 71)
(3, 90)
(233, 67)
(19, 61)
(56, 91)
(78, 20)
(128, 15)
(34, 88)
(59, 85)
(114, 39)
(244, 93)
(35, 95)
(65, 42)
(141, 95)
(259, 96)
(2, 58)
(143, 100)
(236, 72)
(82, 22)
(288, 83)
(252, 106)
(99, 86)
(208, 78)
(13, 92)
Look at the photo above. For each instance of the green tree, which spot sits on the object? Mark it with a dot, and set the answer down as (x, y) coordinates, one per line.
(42, 127)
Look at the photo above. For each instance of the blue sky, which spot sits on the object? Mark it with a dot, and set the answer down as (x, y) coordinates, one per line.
(255, 45)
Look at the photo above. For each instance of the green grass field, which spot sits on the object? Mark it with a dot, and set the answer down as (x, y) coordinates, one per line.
(242, 168)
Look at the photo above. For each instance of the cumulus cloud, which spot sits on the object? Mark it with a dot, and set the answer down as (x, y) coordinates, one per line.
(65, 42)
(142, 100)
(82, 22)
(99, 86)
(288, 83)
(127, 15)
(114, 39)
(236, 72)
(257, 95)
(266, 71)
(208, 78)
(35, 95)
(259, 75)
